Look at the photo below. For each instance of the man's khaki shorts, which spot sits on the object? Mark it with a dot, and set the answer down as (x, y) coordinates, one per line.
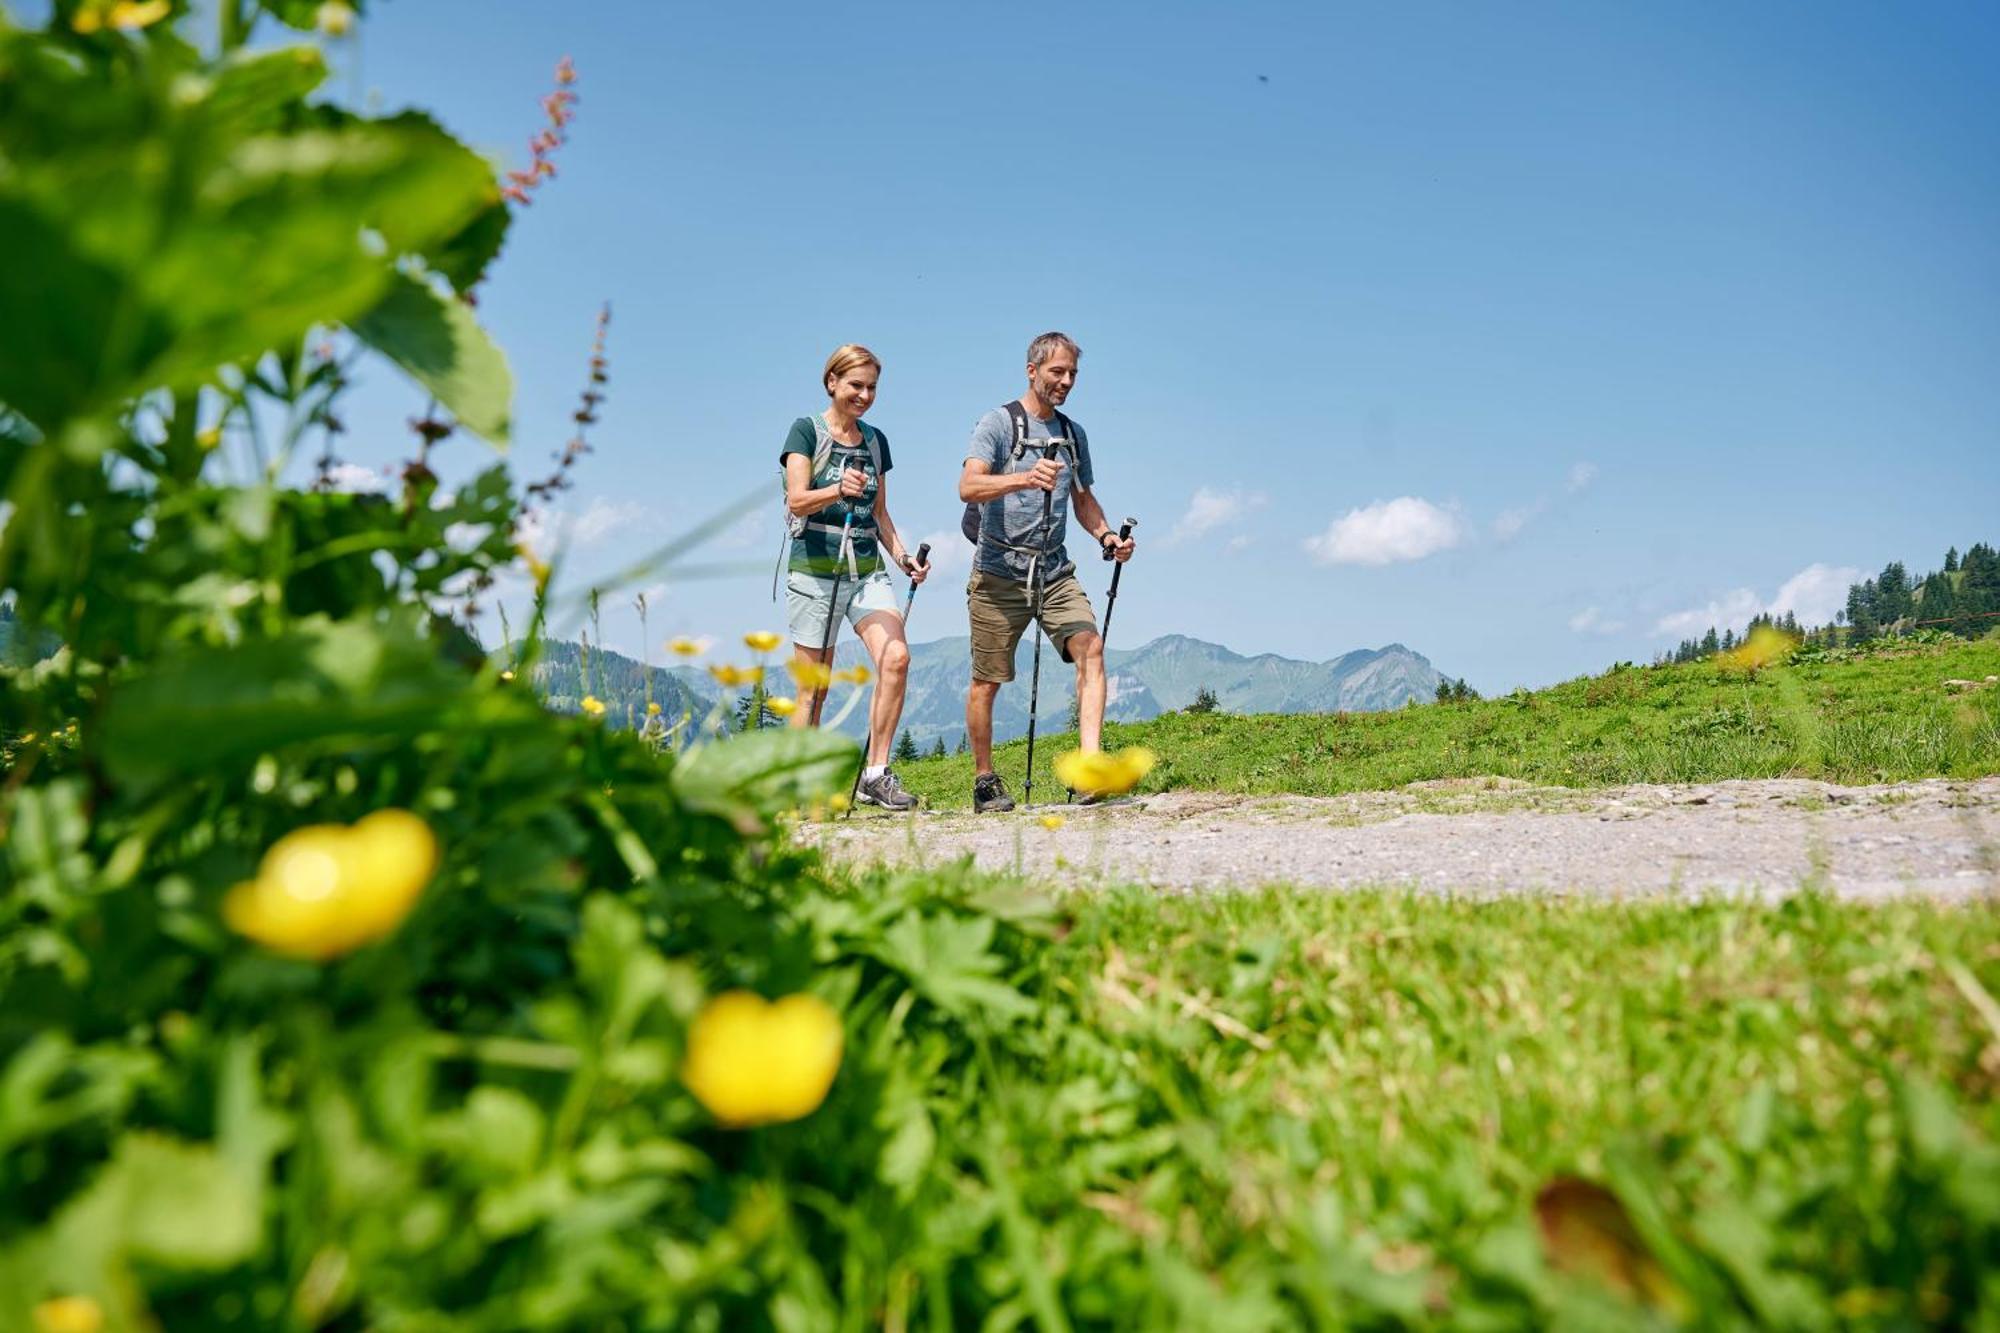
(999, 612)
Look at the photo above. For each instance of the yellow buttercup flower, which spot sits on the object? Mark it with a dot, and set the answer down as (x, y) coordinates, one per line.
(762, 641)
(752, 1062)
(857, 673)
(69, 1314)
(327, 889)
(208, 439)
(592, 705)
(1053, 822)
(508, 674)
(838, 803)
(810, 675)
(126, 15)
(729, 677)
(782, 707)
(1766, 646)
(686, 647)
(652, 710)
(1102, 774)
(334, 18)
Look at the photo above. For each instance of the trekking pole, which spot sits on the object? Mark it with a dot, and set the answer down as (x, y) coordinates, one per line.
(821, 689)
(1111, 598)
(1111, 601)
(923, 558)
(1037, 575)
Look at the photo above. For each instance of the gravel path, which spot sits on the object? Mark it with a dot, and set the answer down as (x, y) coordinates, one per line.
(1490, 835)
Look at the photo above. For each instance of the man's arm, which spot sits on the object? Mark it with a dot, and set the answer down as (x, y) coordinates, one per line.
(977, 482)
(1090, 516)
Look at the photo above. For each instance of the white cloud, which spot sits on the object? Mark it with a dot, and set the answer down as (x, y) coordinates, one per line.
(951, 554)
(1815, 593)
(354, 479)
(603, 519)
(1210, 509)
(545, 533)
(1591, 621)
(1732, 610)
(1580, 476)
(1237, 543)
(745, 532)
(1812, 595)
(1386, 532)
(1510, 522)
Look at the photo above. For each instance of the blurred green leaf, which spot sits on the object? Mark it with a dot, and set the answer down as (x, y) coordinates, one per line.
(949, 960)
(465, 257)
(122, 205)
(321, 679)
(764, 772)
(441, 345)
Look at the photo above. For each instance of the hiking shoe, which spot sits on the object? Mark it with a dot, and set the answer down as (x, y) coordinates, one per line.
(990, 793)
(885, 791)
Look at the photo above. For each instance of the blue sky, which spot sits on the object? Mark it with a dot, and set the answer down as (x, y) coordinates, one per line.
(1527, 336)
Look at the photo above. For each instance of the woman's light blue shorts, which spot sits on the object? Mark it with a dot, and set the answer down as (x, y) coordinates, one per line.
(808, 598)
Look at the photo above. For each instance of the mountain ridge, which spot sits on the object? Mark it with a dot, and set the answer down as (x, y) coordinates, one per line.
(1161, 676)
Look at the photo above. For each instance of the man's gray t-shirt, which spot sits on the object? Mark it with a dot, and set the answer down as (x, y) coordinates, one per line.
(1010, 525)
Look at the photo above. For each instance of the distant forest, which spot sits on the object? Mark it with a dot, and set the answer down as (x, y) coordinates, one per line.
(566, 673)
(1962, 598)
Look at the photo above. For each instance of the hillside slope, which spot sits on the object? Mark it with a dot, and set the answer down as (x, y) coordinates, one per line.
(1881, 715)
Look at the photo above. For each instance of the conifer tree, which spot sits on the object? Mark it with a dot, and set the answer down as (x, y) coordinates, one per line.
(1892, 594)
(937, 749)
(906, 747)
(1861, 625)
(1951, 561)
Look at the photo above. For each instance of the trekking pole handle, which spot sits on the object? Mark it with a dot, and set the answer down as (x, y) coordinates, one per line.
(923, 554)
(1124, 534)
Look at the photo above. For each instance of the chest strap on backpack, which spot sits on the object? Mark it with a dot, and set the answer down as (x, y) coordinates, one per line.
(796, 524)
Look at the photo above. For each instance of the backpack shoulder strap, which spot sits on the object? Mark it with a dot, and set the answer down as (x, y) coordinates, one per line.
(822, 442)
(1019, 416)
(873, 439)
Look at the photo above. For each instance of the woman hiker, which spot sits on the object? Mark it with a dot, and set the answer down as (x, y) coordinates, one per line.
(836, 466)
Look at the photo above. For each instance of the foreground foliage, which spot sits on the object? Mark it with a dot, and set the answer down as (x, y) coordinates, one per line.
(1880, 714)
(342, 986)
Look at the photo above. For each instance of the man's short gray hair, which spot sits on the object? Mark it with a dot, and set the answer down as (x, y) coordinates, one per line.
(1043, 347)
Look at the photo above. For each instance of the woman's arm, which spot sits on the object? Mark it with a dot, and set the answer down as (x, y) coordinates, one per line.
(802, 498)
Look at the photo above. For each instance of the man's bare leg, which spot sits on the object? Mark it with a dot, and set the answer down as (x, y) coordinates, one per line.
(1087, 651)
(979, 723)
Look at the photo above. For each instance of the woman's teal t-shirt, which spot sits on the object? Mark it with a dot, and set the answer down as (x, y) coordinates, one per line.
(816, 550)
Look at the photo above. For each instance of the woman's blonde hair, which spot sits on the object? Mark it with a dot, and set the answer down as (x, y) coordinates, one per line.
(845, 358)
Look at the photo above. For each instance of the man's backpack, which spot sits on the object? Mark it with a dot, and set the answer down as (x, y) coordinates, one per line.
(823, 447)
(969, 522)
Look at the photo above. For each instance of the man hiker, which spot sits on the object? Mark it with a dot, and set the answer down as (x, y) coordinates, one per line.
(1021, 498)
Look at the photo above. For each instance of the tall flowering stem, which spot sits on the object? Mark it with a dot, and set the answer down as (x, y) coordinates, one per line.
(559, 108)
(584, 417)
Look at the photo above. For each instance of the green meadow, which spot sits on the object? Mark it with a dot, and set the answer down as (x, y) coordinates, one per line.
(1879, 714)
